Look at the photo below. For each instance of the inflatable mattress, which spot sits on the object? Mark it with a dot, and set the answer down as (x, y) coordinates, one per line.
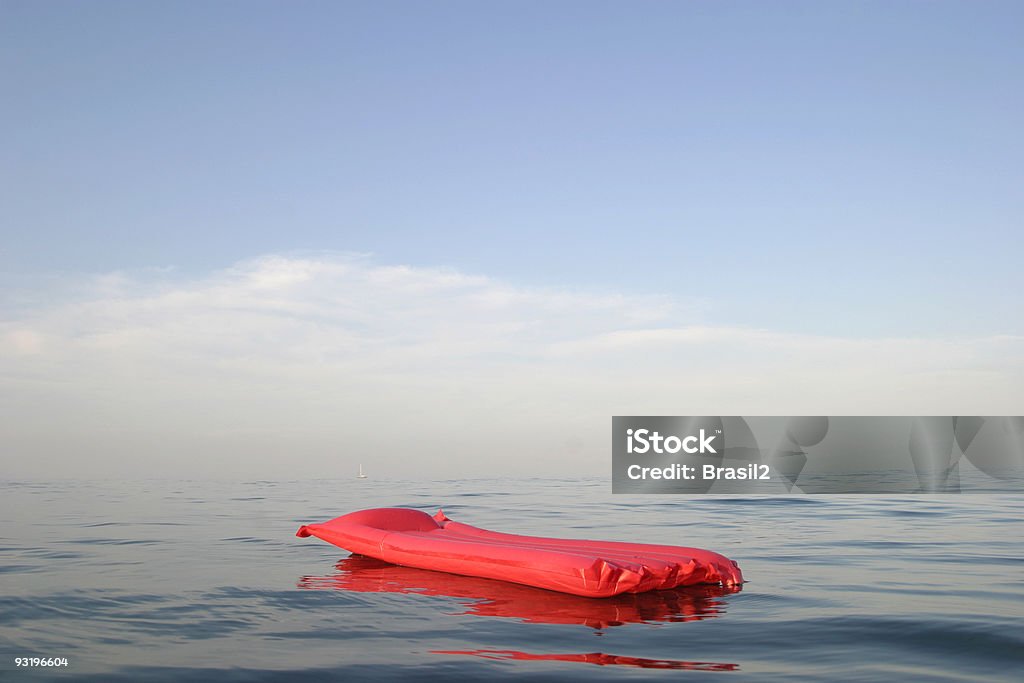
(594, 569)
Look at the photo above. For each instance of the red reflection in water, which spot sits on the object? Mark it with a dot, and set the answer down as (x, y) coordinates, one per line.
(598, 658)
(486, 597)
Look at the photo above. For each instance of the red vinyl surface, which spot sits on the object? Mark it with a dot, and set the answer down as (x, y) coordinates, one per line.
(594, 569)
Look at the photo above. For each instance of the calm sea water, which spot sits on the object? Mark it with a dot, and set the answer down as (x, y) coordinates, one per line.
(198, 580)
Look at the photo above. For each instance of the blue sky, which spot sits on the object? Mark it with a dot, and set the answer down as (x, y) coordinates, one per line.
(841, 170)
(851, 167)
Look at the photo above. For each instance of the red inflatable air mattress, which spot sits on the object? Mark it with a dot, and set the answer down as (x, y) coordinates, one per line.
(595, 569)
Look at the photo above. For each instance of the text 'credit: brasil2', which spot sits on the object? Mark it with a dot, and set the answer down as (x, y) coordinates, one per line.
(785, 455)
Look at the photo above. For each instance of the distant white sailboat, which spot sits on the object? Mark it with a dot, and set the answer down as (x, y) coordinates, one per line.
(361, 475)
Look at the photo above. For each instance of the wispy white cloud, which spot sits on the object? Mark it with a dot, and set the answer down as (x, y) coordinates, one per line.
(286, 362)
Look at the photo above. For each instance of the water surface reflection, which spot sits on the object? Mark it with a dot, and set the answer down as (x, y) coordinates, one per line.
(489, 598)
(598, 658)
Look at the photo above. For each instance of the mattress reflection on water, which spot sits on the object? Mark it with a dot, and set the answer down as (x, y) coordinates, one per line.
(490, 598)
(598, 658)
